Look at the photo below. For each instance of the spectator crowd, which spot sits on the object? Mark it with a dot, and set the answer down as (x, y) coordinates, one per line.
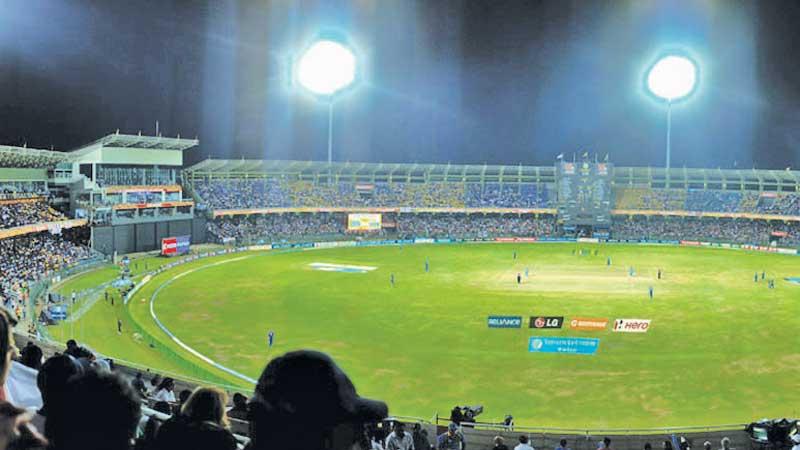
(708, 200)
(32, 257)
(275, 193)
(279, 227)
(739, 231)
(19, 213)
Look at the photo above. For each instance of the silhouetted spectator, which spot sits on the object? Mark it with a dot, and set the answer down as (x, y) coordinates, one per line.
(456, 415)
(421, 441)
(239, 410)
(303, 401)
(202, 424)
(499, 443)
(183, 395)
(52, 381)
(138, 384)
(31, 356)
(99, 411)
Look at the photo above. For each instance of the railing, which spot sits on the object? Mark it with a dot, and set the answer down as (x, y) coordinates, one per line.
(494, 426)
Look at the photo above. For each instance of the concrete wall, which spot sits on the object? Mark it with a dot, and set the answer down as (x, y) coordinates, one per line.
(145, 237)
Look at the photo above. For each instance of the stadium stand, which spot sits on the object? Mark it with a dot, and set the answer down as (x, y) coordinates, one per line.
(474, 226)
(294, 226)
(644, 198)
(713, 201)
(29, 258)
(151, 416)
(19, 189)
(272, 193)
(16, 213)
(35, 256)
(739, 231)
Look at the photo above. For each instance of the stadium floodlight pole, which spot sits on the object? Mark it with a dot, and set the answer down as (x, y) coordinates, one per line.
(326, 69)
(672, 78)
(330, 132)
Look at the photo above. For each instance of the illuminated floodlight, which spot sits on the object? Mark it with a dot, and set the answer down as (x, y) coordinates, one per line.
(326, 68)
(672, 77)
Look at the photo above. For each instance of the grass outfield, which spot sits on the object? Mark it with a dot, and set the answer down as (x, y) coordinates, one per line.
(721, 348)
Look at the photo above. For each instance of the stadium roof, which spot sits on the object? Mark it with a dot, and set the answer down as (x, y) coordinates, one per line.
(138, 141)
(30, 157)
(449, 172)
(752, 179)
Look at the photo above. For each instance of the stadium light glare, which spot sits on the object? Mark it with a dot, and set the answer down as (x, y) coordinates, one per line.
(671, 78)
(326, 68)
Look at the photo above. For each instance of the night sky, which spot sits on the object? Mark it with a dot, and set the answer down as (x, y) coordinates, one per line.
(503, 82)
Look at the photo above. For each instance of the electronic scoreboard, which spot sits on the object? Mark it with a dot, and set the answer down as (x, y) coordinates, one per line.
(584, 193)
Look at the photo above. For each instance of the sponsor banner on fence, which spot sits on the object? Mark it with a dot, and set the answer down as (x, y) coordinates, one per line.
(345, 268)
(690, 243)
(546, 322)
(589, 240)
(505, 322)
(259, 248)
(423, 241)
(588, 324)
(575, 346)
(631, 325)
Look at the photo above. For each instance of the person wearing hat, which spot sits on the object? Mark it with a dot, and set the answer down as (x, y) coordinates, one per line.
(452, 439)
(303, 400)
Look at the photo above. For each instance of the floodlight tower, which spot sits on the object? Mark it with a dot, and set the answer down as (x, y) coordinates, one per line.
(672, 78)
(326, 69)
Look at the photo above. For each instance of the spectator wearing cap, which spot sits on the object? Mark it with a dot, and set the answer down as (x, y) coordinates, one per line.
(398, 439)
(303, 401)
(523, 443)
(201, 424)
(452, 439)
(562, 445)
(707, 445)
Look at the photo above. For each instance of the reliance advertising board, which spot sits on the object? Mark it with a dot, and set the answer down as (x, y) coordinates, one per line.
(575, 346)
(175, 245)
(505, 322)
